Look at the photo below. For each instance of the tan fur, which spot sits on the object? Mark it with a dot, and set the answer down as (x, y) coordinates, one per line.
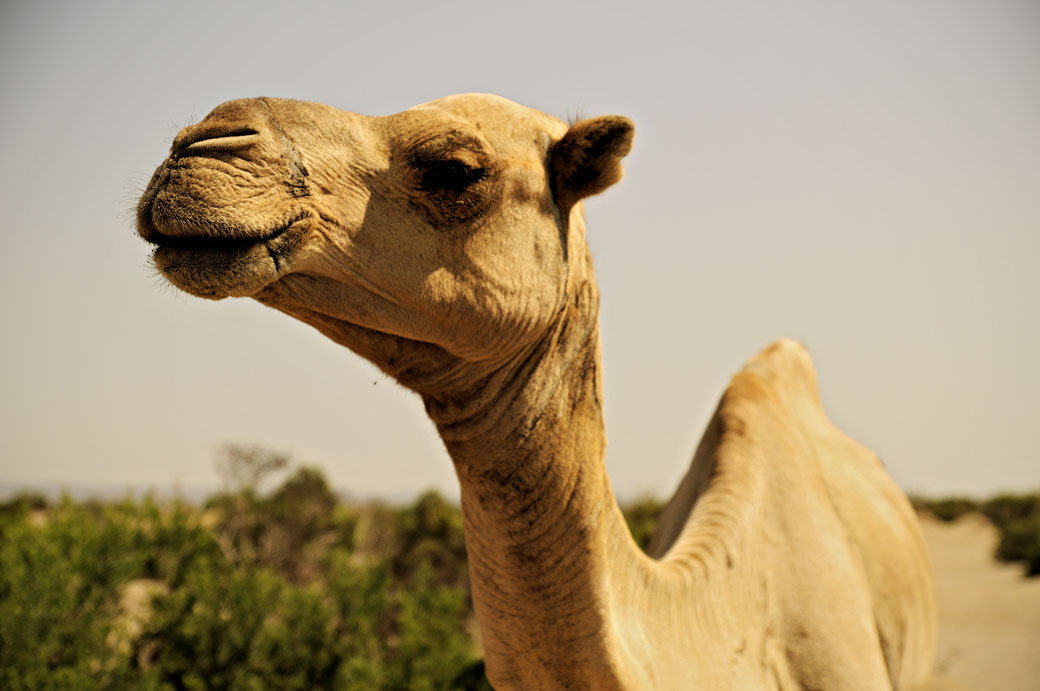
(446, 244)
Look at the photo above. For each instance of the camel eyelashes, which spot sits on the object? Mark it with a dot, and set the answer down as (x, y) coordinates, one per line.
(450, 162)
(451, 183)
(450, 175)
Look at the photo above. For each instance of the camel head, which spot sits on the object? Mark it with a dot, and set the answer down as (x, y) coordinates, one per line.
(443, 237)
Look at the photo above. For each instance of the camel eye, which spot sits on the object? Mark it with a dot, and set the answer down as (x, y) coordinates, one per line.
(450, 175)
(452, 180)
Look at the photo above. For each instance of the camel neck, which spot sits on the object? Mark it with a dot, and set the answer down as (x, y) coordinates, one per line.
(543, 531)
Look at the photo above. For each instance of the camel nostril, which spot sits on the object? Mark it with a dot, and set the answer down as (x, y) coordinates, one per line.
(216, 139)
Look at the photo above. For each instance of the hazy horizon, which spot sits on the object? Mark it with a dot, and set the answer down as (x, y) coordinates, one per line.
(864, 179)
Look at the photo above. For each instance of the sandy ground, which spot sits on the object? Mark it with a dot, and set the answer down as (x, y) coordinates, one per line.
(989, 615)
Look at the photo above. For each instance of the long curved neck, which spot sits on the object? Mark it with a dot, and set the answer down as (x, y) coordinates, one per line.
(543, 531)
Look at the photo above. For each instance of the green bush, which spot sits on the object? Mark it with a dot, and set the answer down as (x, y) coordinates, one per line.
(242, 628)
(641, 517)
(17, 508)
(1016, 516)
(289, 531)
(430, 539)
(250, 629)
(432, 646)
(948, 509)
(59, 587)
(289, 590)
(1007, 508)
(251, 593)
(1020, 541)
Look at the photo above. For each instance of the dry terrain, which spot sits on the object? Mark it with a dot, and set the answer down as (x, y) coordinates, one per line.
(989, 615)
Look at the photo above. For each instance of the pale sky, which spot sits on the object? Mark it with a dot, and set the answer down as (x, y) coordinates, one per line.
(864, 177)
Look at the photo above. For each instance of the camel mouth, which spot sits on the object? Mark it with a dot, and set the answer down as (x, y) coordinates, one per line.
(215, 267)
(215, 243)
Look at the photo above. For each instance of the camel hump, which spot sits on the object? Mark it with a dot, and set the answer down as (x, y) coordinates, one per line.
(783, 368)
(784, 355)
(772, 394)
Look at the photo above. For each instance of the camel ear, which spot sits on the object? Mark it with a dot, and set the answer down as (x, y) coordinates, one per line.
(588, 158)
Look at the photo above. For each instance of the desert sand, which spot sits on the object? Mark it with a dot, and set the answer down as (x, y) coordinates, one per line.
(989, 613)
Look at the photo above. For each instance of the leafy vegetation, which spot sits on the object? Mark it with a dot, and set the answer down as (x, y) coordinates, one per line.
(1016, 516)
(947, 509)
(641, 517)
(287, 589)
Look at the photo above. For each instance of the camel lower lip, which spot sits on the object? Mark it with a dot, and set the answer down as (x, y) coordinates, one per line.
(218, 267)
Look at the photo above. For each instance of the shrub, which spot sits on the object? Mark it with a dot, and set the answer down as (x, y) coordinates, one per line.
(641, 517)
(430, 537)
(1020, 541)
(432, 645)
(59, 586)
(237, 628)
(1005, 508)
(1016, 516)
(15, 509)
(216, 607)
(949, 509)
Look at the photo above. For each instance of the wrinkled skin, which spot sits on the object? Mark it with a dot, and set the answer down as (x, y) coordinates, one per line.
(446, 244)
(423, 225)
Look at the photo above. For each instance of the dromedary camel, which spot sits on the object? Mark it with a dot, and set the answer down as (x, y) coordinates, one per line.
(446, 244)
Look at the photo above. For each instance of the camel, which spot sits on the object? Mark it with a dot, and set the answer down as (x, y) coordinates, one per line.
(446, 244)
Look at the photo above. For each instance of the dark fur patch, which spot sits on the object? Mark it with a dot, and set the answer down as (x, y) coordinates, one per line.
(453, 177)
(587, 160)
